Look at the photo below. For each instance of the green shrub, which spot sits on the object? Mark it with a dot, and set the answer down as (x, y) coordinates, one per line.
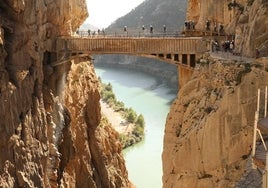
(108, 95)
(108, 87)
(140, 121)
(131, 115)
(119, 106)
(138, 131)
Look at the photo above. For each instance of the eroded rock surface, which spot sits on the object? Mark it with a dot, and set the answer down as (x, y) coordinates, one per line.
(209, 129)
(50, 129)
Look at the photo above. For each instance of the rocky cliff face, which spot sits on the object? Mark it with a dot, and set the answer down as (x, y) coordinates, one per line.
(50, 124)
(247, 20)
(208, 132)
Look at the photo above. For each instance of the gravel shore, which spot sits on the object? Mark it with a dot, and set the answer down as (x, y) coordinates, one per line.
(121, 125)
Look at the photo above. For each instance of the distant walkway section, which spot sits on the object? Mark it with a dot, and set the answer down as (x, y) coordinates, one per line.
(229, 56)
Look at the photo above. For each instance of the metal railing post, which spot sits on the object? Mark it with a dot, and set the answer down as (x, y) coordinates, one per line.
(258, 101)
(265, 103)
(255, 133)
(255, 124)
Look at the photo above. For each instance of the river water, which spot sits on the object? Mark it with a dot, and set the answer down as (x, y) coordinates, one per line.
(151, 98)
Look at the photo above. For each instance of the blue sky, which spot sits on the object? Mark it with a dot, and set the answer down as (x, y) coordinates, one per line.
(103, 12)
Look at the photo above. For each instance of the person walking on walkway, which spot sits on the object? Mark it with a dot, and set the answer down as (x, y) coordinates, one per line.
(231, 46)
(257, 53)
(143, 28)
(151, 29)
(125, 30)
(208, 25)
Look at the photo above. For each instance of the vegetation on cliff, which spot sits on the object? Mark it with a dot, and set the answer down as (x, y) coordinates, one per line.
(129, 114)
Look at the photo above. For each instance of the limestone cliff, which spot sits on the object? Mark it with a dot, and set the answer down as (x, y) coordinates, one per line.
(246, 20)
(50, 126)
(209, 128)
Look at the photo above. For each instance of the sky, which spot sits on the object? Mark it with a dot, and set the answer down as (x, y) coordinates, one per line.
(103, 12)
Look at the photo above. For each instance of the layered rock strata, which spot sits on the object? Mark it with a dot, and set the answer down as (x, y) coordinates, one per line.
(209, 129)
(50, 125)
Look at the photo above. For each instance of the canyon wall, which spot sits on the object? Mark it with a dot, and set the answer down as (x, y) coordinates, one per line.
(246, 20)
(208, 134)
(51, 132)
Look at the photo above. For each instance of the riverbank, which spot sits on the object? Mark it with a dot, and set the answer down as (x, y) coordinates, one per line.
(120, 124)
(128, 124)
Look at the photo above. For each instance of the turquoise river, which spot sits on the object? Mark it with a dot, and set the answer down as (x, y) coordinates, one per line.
(147, 96)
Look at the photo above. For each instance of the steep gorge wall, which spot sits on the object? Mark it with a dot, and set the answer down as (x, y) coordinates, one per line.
(90, 149)
(50, 124)
(246, 19)
(208, 133)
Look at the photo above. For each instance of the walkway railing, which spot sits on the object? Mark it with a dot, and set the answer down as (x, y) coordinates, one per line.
(148, 33)
(261, 126)
(128, 33)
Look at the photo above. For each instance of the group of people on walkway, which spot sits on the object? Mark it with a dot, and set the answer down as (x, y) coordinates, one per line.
(93, 33)
(125, 31)
(217, 27)
(189, 25)
(98, 32)
(225, 46)
(90, 32)
(151, 29)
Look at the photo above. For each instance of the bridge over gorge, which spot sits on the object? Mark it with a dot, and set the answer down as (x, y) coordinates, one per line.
(181, 51)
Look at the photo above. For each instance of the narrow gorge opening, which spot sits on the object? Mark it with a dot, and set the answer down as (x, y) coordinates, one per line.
(141, 83)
